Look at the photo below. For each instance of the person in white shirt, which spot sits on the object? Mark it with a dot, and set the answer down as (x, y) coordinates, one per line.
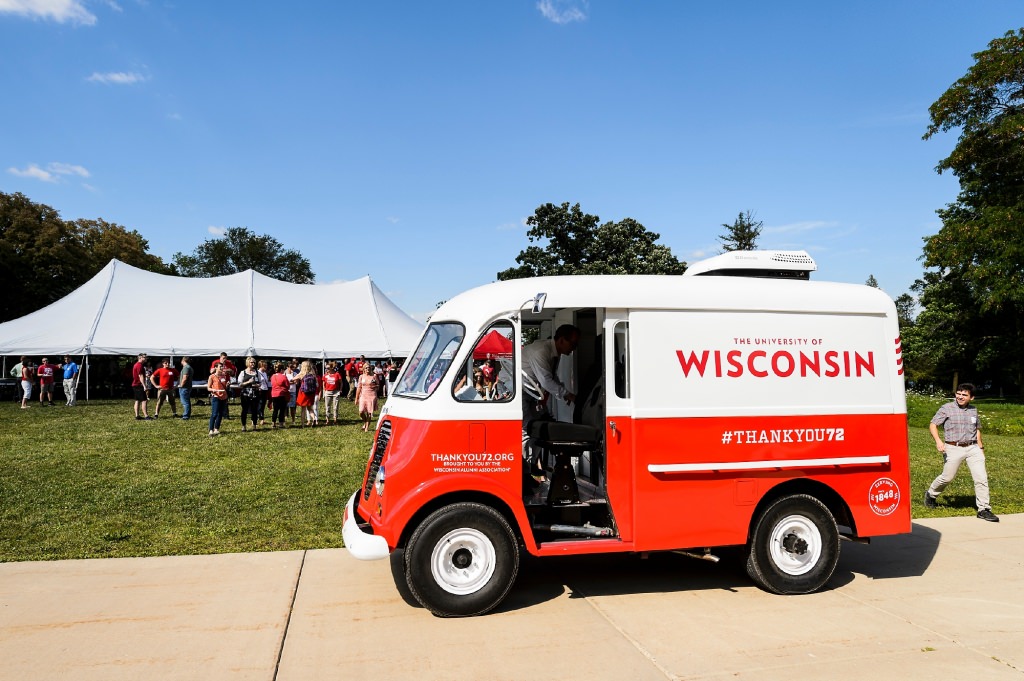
(541, 385)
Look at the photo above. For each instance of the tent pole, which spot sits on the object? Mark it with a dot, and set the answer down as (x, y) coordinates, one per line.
(323, 370)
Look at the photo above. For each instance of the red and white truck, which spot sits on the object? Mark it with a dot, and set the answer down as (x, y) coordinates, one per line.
(738, 405)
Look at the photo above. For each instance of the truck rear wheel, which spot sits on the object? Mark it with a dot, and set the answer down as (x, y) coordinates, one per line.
(462, 560)
(794, 547)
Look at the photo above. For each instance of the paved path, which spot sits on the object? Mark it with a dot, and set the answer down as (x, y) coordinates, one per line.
(946, 602)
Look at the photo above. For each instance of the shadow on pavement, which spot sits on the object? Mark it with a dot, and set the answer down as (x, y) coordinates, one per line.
(893, 557)
(544, 579)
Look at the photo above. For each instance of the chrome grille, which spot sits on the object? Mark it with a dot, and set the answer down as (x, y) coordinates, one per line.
(383, 437)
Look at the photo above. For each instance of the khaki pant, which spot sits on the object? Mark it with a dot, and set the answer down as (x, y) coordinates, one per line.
(71, 390)
(975, 458)
(331, 404)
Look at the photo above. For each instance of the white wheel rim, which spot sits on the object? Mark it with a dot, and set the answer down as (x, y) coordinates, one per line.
(795, 545)
(463, 561)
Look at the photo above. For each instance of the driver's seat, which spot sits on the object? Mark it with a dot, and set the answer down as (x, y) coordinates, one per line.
(564, 440)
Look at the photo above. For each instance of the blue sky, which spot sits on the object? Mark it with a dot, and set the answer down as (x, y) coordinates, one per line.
(411, 140)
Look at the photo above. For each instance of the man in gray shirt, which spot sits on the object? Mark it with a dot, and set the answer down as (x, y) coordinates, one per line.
(960, 442)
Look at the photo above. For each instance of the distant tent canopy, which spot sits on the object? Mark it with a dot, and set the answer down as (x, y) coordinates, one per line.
(124, 310)
(493, 345)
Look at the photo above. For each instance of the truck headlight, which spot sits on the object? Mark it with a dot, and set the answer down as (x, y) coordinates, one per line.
(378, 482)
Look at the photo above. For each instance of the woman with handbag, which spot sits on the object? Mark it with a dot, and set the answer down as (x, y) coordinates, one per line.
(249, 387)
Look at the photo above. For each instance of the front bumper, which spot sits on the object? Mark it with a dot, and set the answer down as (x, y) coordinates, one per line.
(360, 544)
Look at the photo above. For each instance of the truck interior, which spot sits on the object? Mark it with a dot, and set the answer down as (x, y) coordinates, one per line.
(570, 502)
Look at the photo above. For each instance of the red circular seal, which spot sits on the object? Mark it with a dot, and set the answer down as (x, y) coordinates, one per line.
(884, 496)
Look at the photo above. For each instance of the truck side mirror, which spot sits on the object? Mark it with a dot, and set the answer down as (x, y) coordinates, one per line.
(538, 302)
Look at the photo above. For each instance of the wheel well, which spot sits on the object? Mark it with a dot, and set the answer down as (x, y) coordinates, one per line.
(456, 497)
(833, 501)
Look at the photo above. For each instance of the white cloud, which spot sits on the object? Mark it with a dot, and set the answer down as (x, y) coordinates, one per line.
(67, 169)
(61, 11)
(217, 231)
(115, 77)
(564, 11)
(392, 219)
(33, 171)
(52, 173)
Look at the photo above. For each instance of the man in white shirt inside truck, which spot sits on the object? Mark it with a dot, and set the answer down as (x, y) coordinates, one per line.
(541, 384)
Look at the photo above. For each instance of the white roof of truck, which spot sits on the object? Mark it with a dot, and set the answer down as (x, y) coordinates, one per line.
(653, 292)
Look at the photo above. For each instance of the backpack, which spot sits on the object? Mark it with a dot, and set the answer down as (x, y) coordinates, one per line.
(309, 384)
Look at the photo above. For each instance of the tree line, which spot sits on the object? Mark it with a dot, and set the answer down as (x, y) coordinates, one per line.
(970, 295)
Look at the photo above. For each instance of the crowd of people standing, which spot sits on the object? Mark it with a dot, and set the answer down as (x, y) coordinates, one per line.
(292, 391)
(289, 389)
(44, 374)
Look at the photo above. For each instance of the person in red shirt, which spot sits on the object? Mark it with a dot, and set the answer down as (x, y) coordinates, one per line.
(332, 392)
(45, 373)
(139, 389)
(232, 371)
(490, 375)
(27, 375)
(280, 394)
(217, 386)
(223, 359)
(163, 379)
(352, 372)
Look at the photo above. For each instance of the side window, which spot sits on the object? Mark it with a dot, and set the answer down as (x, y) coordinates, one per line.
(489, 372)
(621, 367)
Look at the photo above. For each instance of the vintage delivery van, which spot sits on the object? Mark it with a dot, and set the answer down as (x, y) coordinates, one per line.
(738, 405)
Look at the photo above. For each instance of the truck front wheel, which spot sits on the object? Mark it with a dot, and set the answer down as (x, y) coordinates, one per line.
(461, 560)
(794, 547)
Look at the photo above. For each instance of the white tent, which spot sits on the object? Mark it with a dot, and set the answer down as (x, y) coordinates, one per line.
(124, 310)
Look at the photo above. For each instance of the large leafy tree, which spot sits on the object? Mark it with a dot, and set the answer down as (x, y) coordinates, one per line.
(40, 261)
(979, 250)
(105, 241)
(239, 249)
(43, 257)
(906, 310)
(936, 353)
(742, 234)
(569, 241)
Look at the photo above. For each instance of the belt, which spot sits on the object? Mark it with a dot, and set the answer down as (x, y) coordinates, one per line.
(961, 444)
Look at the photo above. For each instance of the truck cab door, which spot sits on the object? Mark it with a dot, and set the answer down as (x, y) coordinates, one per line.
(619, 421)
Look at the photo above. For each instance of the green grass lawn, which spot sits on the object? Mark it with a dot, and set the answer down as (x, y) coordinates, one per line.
(1002, 427)
(91, 482)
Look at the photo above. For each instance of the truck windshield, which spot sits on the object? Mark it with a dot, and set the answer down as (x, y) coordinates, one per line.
(425, 369)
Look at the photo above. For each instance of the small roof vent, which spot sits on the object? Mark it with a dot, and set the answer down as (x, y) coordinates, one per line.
(762, 264)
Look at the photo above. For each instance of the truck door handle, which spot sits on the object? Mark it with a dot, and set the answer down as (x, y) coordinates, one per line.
(612, 424)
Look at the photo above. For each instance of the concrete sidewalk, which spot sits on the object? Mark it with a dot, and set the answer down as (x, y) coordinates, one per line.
(945, 602)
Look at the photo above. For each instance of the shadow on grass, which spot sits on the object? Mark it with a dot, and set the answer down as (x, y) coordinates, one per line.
(959, 501)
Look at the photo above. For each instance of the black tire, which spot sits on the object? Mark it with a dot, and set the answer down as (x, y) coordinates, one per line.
(397, 561)
(794, 547)
(461, 560)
